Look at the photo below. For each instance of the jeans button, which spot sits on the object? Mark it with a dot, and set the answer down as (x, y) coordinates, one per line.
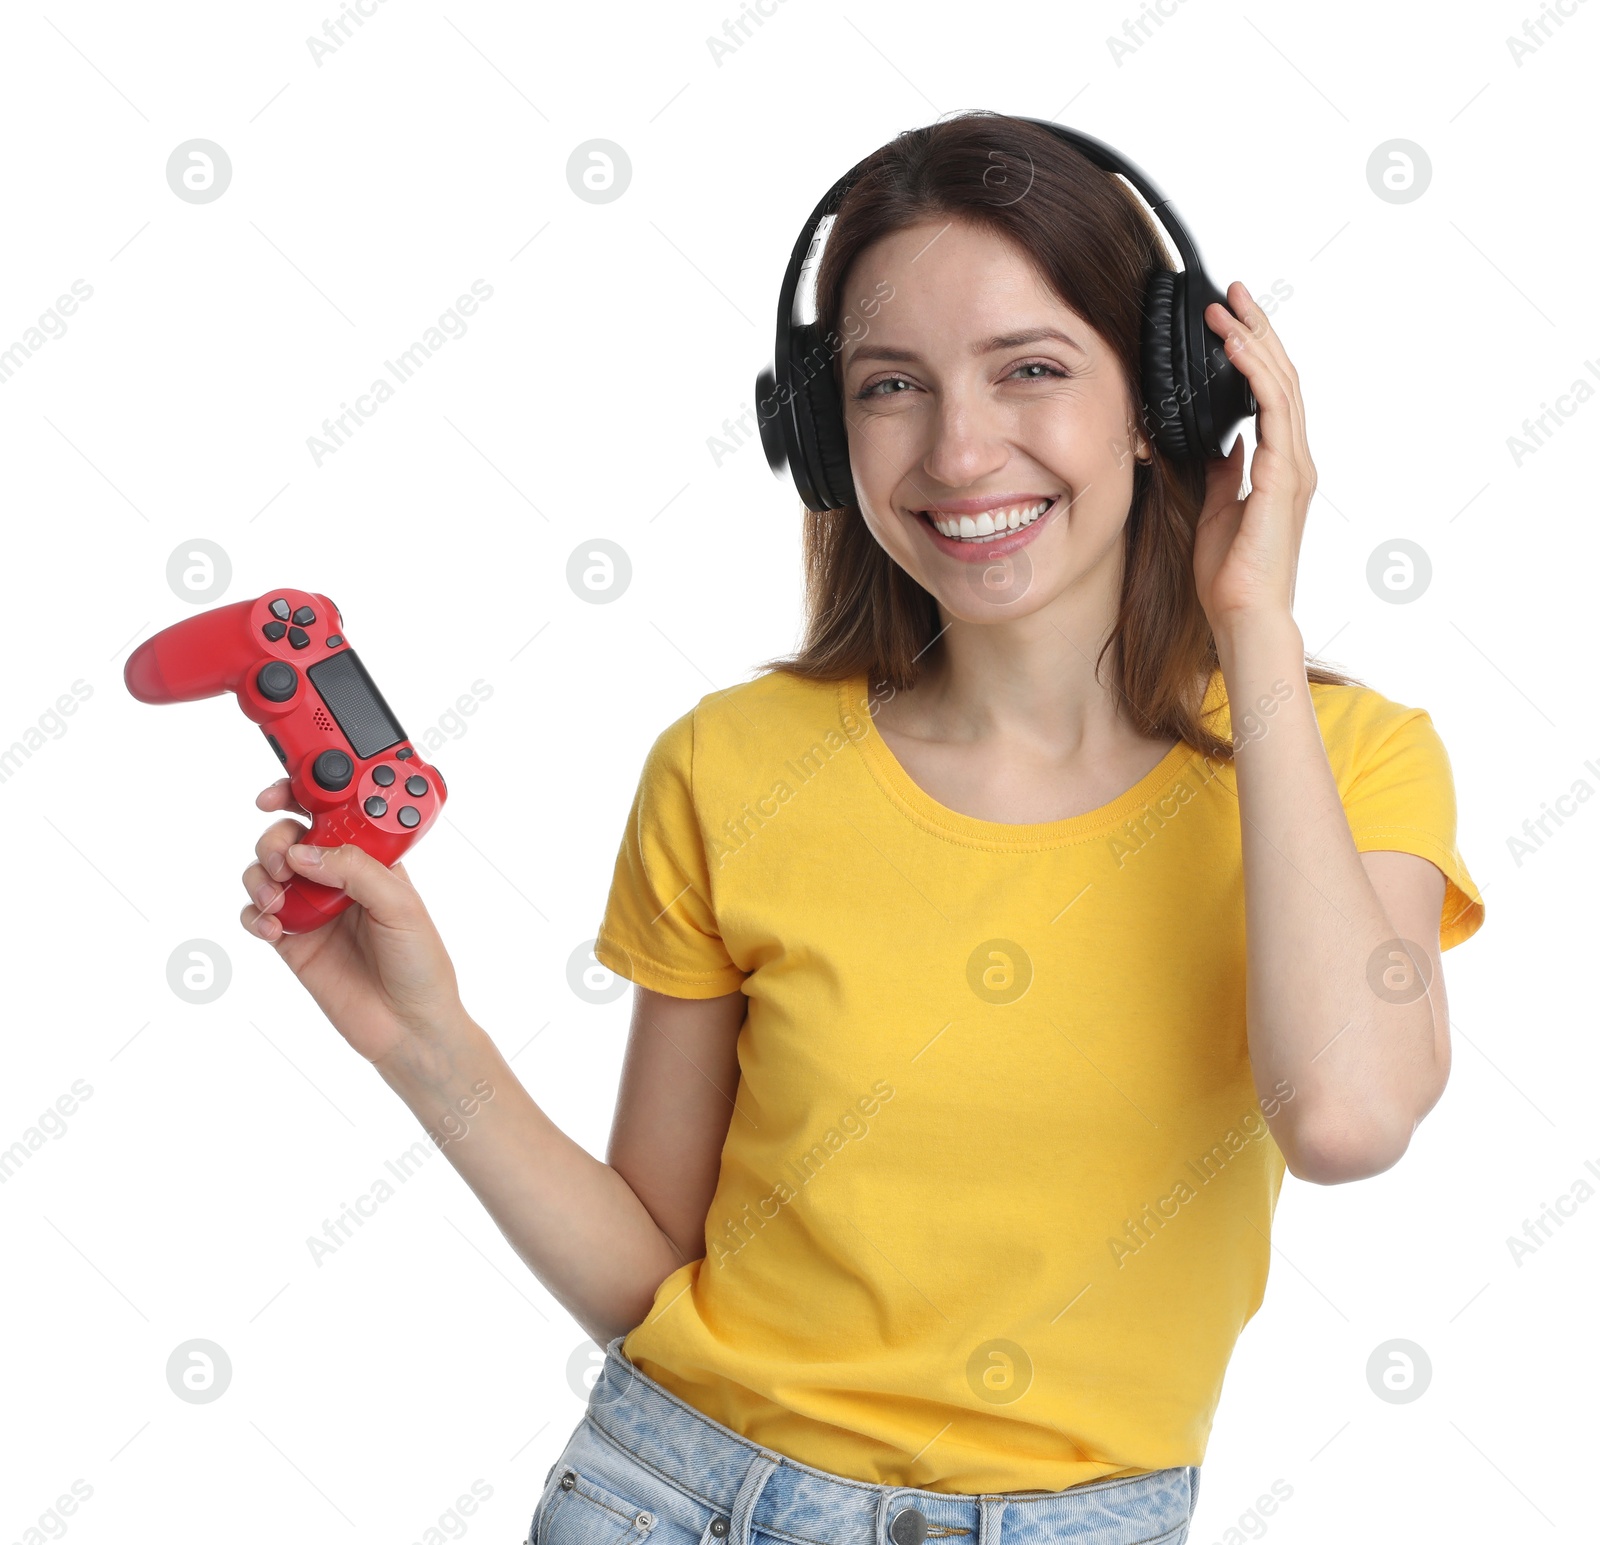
(908, 1527)
(719, 1527)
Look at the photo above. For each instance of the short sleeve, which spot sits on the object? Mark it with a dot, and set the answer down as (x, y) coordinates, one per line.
(1402, 796)
(659, 928)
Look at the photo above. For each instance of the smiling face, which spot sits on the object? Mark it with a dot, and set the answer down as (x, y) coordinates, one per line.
(991, 428)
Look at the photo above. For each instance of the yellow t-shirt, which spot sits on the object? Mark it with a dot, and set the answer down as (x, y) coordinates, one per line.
(995, 1199)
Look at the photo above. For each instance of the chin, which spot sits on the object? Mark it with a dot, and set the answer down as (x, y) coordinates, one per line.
(999, 592)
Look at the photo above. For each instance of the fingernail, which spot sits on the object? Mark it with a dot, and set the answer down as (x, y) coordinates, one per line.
(265, 926)
(275, 865)
(266, 895)
(309, 856)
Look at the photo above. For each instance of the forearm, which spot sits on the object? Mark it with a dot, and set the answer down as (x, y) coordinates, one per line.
(1363, 1069)
(573, 1220)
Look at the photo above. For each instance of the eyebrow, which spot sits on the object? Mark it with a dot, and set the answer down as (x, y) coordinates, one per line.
(993, 345)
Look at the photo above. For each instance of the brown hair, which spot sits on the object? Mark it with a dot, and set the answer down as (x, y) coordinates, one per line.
(1095, 245)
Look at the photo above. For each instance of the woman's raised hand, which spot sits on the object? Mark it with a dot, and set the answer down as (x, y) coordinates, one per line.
(1247, 551)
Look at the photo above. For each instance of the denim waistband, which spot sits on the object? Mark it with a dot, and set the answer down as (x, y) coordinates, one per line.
(755, 1487)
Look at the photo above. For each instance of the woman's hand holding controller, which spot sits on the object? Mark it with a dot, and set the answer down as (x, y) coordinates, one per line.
(379, 970)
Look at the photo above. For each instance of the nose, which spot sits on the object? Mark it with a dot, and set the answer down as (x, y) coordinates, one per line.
(967, 445)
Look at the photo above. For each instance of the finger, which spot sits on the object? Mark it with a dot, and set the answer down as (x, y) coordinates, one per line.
(1279, 403)
(1261, 327)
(1243, 306)
(272, 844)
(1245, 319)
(280, 796)
(262, 888)
(387, 897)
(1263, 340)
(261, 925)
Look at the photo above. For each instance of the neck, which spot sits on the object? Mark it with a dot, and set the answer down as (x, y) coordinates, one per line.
(1030, 679)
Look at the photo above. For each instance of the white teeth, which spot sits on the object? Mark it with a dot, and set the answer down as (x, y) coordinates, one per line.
(991, 523)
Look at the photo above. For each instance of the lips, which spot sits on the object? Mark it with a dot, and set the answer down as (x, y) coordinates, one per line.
(987, 549)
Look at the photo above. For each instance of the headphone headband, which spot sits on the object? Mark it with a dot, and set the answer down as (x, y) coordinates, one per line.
(1108, 160)
(1192, 393)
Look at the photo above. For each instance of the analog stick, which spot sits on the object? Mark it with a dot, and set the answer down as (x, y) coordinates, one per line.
(333, 770)
(277, 681)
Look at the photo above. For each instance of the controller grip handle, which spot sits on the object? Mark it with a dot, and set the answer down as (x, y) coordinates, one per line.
(198, 657)
(307, 905)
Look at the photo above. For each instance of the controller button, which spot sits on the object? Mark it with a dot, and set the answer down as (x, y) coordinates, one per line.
(305, 617)
(277, 682)
(333, 770)
(272, 740)
(280, 609)
(334, 641)
(383, 774)
(299, 637)
(405, 755)
(408, 815)
(416, 786)
(274, 631)
(376, 807)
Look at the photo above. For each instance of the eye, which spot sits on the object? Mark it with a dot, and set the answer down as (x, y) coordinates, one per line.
(872, 391)
(1039, 364)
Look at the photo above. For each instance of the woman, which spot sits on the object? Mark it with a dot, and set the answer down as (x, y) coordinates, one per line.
(989, 968)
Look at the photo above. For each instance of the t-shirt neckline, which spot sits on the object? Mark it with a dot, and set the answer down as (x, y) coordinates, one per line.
(905, 792)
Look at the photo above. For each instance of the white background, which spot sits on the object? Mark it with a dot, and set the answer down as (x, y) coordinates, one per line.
(367, 193)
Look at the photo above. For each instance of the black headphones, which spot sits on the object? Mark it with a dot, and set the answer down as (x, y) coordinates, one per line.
(1193, 393)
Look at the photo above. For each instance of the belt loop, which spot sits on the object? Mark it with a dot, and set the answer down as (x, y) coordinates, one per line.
(744, 1501)
(991, 1510)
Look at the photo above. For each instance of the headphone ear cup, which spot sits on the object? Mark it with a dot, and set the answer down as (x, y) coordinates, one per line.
(821, 464)
(824, 414)
(1164, 362)
(772, 418)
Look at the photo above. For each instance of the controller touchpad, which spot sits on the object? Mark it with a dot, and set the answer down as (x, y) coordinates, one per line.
(355, 703)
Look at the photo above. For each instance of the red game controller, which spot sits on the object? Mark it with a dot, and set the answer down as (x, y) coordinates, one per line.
(285, 658)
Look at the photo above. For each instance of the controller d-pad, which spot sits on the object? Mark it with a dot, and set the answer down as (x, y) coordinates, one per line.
(333, 770)
(274, 631)
(409, 816)
(383, 774)
(416, 786)
(376, 806)
(280, 609)
(299, 637)
(305, 617)
(277, 682)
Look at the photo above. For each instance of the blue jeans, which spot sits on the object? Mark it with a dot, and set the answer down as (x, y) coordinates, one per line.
(644, 1466)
